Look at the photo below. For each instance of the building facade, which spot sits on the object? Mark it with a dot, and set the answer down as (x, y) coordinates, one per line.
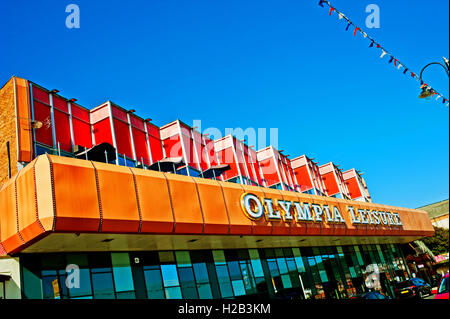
(438, 213)
(102, 203)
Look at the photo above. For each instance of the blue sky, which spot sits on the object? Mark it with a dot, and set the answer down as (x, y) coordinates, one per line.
(261, 64)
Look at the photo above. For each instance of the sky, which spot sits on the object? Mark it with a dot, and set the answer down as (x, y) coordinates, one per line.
(281, 64)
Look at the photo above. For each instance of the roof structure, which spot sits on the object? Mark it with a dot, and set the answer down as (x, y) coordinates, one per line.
(436, 209)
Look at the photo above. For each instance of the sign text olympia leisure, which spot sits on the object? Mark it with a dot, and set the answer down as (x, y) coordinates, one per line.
(255, 208)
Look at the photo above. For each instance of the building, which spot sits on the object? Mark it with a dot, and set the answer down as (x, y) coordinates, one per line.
(276, 169)
(308, 176)
(438, 213)
(333, 179)
(101, 203)
(356, 185)
(244, 168)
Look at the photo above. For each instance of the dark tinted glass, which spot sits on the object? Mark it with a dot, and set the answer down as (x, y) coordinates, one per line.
(403, 284)
(153, 282)
(102, 284)
(444, 286)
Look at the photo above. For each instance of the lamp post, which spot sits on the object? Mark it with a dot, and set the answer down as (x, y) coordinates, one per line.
(426, 90)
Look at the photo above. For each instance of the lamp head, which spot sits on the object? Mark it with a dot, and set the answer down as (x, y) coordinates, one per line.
(426, 92)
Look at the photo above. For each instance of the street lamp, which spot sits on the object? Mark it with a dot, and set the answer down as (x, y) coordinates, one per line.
(426, 90)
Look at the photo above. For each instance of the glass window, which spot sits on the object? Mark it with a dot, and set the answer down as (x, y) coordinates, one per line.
(299, 262)
(123, 278)
(247, 277)
(173, 293)
(187, 282)
(183, 259)
(238, 287)
(166, 257)
(169, 275)
(235, 271)
(219, 256)
(286, 281)
(85, 285)
(153, 282)
(43, 150)
(273, 268)
(50, 287)
(100, 262)
(443, 287)
(358, 256)
(224, 281)
(201, 273)
(257, 268)
(282, 266)
(204, 291)
(103, 286)
(53, 261)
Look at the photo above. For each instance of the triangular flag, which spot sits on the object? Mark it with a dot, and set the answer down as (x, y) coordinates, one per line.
(437, 98)
(321, 3)
(406, 70)
(340, 16)
(364, 34)
(390, 60)
(348, 26)
(331, 10)
(354, 32)
(399, 66)
(383, 54)
(395, 62)
(371, 44)
(413, 74)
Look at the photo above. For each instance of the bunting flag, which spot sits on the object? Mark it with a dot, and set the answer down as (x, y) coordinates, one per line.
(431, 92)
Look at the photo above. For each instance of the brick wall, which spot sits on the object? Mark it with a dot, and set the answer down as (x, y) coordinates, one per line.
(7, 130)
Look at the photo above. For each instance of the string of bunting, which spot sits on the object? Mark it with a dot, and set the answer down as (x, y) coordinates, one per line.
(392, 58)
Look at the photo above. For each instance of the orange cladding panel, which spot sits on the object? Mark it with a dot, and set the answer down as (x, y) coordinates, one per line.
(77, 205)
(186, 204)
(213, 206)
(119, 206)
(8, 218)
(154, 201)
(29, 224)
(24, 120)
(239, 223)
(44, 192)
